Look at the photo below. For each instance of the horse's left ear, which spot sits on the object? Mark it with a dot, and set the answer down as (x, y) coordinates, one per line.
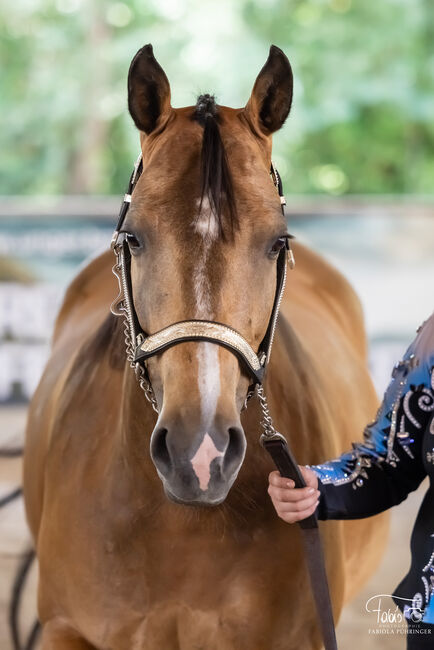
(148, 91)
(271, 98)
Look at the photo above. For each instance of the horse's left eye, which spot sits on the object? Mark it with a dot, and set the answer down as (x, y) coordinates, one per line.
(133, 242)
(277, 246)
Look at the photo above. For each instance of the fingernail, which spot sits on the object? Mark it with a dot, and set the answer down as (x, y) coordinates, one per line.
(311, 490)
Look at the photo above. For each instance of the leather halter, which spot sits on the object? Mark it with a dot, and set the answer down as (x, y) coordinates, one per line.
(148, 345)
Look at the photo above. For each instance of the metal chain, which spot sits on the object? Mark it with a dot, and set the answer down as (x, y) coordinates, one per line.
(267, 420)
(249, 395)
(118, 308)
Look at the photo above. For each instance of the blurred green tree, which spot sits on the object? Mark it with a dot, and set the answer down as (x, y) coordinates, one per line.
(364, 87)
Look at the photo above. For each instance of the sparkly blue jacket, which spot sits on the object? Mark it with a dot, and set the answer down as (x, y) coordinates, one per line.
(396, 454)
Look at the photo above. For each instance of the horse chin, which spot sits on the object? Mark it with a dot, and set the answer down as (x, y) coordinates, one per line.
(201, 500)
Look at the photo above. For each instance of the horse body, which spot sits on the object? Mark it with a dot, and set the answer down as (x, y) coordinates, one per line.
(124, 567)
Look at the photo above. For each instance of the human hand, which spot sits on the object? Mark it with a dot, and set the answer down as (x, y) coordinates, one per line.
(294, 504)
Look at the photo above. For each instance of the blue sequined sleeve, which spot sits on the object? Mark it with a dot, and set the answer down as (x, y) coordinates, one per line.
(381, 471)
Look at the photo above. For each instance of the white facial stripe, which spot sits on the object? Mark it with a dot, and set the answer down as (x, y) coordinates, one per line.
(208, 380)
(206, 223)
(203, 458)
(207, 353)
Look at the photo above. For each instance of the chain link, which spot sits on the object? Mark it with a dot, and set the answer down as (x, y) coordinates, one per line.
(119, 308)
(249, 395)
(267, 420)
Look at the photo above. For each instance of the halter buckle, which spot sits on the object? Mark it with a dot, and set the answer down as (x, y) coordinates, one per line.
(272, 436)
(291, 258)
(114, 240)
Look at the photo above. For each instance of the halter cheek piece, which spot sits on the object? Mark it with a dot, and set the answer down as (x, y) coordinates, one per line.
(141, 345)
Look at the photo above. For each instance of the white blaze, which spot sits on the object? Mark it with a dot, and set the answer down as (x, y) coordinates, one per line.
(206, 224)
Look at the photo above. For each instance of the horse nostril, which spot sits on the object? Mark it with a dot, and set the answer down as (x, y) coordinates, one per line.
(235, 450)
(159, 451)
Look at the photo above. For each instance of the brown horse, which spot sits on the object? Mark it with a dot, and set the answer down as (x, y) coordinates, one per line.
(130, 557)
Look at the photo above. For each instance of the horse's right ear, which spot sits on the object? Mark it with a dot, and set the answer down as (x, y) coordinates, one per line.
(148, 91)
(271, 98)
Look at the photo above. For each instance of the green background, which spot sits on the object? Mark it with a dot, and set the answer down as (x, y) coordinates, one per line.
(363, 116)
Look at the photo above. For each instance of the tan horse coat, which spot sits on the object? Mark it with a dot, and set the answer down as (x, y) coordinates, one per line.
(123, 567)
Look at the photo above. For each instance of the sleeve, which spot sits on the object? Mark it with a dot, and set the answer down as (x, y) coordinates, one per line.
(383, 469)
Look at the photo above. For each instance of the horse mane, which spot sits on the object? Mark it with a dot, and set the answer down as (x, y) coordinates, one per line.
(216, 182)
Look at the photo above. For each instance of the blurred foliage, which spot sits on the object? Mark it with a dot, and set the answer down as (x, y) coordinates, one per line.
(363, 111)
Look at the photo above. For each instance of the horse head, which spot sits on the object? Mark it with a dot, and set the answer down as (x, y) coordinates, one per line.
(204, 229)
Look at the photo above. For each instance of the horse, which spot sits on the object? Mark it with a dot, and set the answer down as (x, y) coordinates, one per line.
(155, 530)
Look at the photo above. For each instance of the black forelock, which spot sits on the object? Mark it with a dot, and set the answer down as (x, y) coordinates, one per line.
(205, 107)
(215, 176)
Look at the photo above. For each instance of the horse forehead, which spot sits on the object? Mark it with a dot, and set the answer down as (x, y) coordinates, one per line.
(170, 184)
(182, 138)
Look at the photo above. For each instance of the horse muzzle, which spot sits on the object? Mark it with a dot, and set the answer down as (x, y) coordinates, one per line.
(197, 466)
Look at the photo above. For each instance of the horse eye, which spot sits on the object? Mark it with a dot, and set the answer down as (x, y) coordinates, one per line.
(132, 241)
(277, 246)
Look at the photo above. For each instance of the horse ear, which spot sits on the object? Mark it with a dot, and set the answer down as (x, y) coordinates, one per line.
(148, 90)
(271, 98)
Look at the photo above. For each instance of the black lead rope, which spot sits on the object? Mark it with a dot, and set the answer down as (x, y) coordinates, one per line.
(286, 464)
(278, 448)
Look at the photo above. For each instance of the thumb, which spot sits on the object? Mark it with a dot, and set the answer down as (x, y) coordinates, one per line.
(309, 476)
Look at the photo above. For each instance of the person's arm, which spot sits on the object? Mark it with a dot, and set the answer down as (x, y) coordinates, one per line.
(381, 471)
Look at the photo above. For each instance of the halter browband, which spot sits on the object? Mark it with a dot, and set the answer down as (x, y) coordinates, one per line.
(142, 346)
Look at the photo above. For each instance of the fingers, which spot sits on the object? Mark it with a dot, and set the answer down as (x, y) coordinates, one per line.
(275, 479)
(291, 494)
(297, 505)
(310, 478)
(278, 481)
(293, 504)
(293, 517)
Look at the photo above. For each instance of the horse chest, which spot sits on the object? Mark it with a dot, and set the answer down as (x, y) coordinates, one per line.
(179, 593)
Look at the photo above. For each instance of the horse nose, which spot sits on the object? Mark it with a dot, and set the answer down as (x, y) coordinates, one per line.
(235, 450)
(159, 451)
(199, 459)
